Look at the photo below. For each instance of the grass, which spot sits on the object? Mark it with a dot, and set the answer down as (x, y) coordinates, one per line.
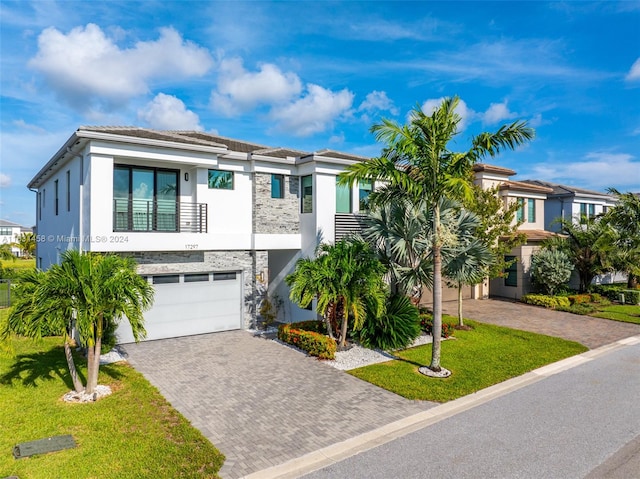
(627, 313)
(134, 433)
(478, 358)
(19, 264)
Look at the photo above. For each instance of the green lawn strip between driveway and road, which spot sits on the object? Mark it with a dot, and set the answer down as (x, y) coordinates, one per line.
(478, 358)
(134, 432)
(626, 313)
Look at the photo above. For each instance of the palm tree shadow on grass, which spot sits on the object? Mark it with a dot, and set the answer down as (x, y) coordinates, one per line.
(31, 369)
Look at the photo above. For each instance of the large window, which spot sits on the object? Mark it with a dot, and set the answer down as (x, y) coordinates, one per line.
(55, 203)
(220, 179)
(343, 198)
(145, 199)
(520, 211)
(5, 231)
(365, 188)
(307, 194)
(511, 272)
(277, 186)
(531, 210)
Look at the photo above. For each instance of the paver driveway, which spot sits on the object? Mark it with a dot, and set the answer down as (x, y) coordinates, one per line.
(262, 403)
(591, 332)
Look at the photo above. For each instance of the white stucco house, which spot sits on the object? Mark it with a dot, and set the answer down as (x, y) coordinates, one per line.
(9, 234)
(571, 203)
(215, 224)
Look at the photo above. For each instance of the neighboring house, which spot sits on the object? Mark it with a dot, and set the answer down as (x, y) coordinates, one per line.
(571, 203)
(532, 200)
(9, 233)
(215, 224)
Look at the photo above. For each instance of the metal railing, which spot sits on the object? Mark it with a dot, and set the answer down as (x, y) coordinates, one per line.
(159, 215)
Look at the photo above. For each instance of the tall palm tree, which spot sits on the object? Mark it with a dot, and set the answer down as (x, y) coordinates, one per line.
(345, 276)
(90, 291)
(418, 163)
(27, 244)
(625, 219)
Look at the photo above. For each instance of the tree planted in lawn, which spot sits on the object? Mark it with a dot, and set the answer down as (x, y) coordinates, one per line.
(86, 291)
(417, 163)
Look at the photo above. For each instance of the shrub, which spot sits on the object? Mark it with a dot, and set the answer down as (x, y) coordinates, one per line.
(631, 296)
(550, 268)
(396, 328)
(579, 298)
(315, 344)
(426, 322)
(553, 302)
(578, 308)
(311, 325)
(610, 291)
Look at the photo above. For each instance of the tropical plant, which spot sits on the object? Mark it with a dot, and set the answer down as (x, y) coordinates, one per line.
(396, 328)
(497, 230)
(27, 244)
(468, 259)
(588, 245)
(624, 217)
(6, 253)
(550, 268)
(345, 276)
(86, 292)
(417, 163)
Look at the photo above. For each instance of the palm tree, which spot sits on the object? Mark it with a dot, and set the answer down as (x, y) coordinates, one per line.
(87, 290)
(346, 276)
(467, 261)
(625, 219)
(27, 244)
(417, 163)
(6, 253)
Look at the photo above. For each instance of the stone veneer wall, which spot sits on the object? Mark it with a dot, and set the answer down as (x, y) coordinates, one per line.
(250, 263)
(276, 215)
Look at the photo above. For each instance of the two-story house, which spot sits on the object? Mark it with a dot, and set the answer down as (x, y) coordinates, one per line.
(215, 224)
(10, 233)
(531, 199)
(571, 203)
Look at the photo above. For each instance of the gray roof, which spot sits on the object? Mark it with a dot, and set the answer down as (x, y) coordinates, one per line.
(564, 190)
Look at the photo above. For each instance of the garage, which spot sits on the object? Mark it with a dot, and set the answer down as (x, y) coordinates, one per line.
(191, 303)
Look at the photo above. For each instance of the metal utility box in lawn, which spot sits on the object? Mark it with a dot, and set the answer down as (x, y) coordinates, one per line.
(42, 446)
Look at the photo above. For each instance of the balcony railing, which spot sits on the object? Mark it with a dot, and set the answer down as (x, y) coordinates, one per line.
(159, 215)
(347, 224)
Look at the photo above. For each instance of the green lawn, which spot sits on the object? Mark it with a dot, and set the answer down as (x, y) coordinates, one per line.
(618, 312)
(479, 358)
(134, 433)
(18, 264)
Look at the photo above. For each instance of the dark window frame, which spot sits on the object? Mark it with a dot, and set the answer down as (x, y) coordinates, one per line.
(55, 202)
(222, 186)
(511, 272)
(68, 190)
(304, 195)
(277, 186)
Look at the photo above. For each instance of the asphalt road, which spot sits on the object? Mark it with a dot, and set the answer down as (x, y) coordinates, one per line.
(579, 423)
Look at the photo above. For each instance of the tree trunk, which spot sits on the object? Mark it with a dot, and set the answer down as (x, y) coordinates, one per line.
(437, 292)
(632, 281)
(77, 384)
(93, 366)
(460, 320)
(343, 329)
(330, 314)
(90, 361)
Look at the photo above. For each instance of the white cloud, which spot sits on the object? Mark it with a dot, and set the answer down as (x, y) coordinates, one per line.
(5, 180)
(86, 63)
(496, 113)
(634, 72)
(466, 114)
(378, 101)
(314, 112)
(597, 171)
(166, 112)
(240, 90)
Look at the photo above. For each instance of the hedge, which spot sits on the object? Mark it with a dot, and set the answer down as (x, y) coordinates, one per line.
(316, 344)
(631, 296)
(552, 302)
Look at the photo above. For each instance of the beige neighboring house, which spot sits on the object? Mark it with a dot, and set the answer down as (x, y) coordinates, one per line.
(531, 213)
(9, 233)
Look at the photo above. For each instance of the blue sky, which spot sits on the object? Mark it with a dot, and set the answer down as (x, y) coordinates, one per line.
(313, 75)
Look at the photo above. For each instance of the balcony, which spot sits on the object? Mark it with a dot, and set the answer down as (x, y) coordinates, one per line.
(159, 215)
(347, 224)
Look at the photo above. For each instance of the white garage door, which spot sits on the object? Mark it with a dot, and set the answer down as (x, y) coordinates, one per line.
(191, 303)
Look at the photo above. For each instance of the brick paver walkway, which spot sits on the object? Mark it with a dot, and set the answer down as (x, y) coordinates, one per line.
(262, 403)
(591, 332)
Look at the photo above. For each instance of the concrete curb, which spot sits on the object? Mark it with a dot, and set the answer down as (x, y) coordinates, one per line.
(363, 442)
